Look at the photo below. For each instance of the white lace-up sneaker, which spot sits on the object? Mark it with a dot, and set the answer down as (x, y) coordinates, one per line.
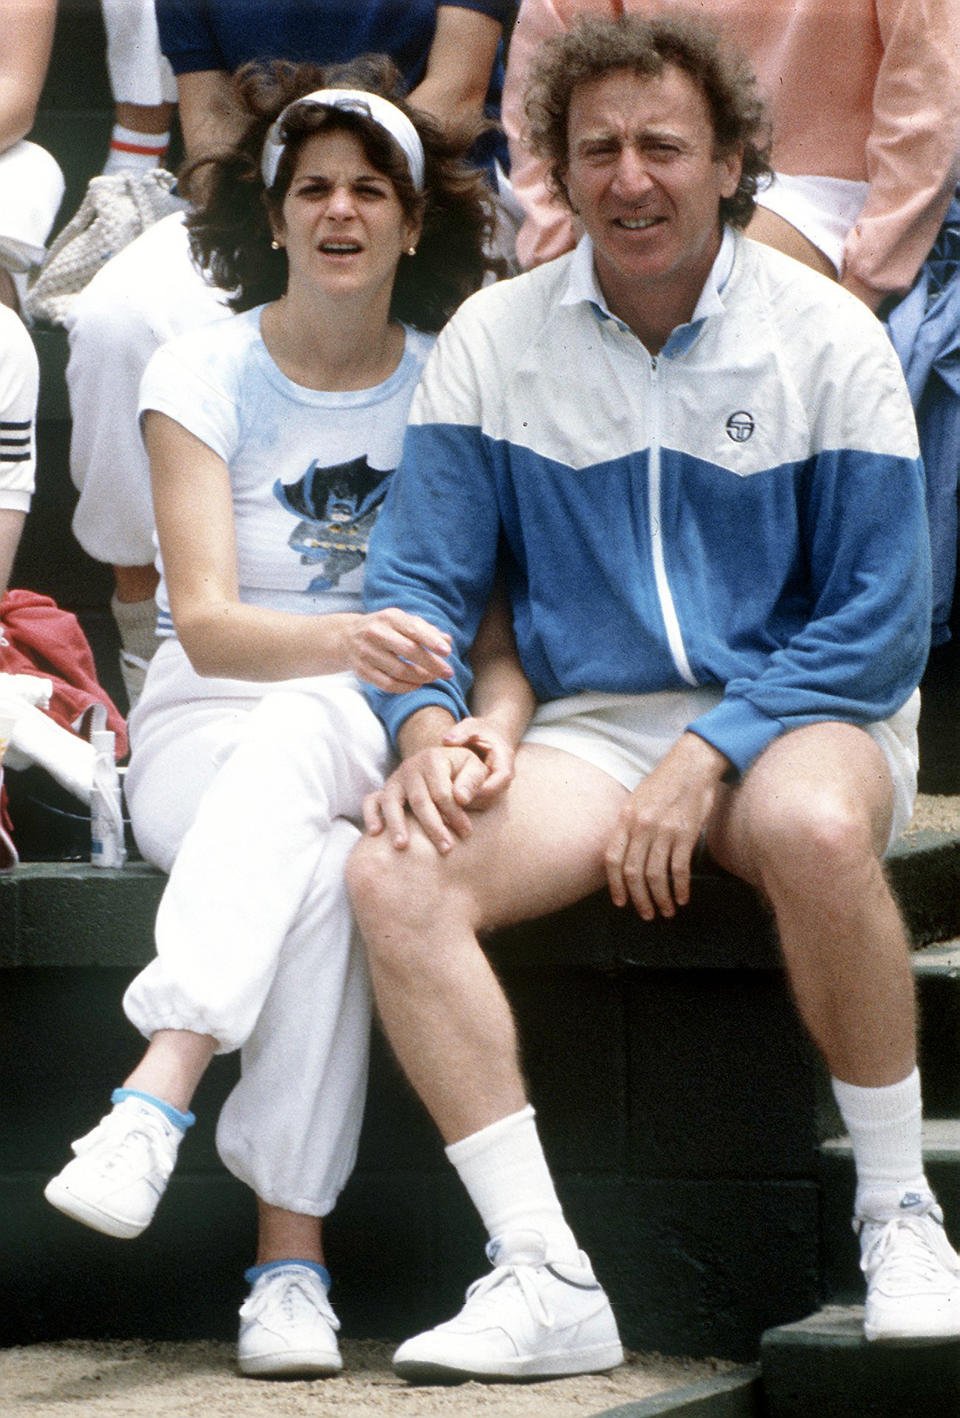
(120, 1171)
(530, 1318)
(287, 1326)
(912, 1271)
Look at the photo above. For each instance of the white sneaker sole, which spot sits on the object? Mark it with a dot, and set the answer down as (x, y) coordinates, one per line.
(291, 1364)
(916, 1334)
(79, 1209)
(597, 1360)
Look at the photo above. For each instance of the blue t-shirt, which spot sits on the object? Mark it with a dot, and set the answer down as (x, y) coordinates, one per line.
(198, 35)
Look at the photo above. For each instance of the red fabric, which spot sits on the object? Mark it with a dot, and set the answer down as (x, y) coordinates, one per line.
(46, 641)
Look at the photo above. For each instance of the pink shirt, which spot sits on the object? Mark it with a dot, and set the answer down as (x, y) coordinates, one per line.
(867, 90)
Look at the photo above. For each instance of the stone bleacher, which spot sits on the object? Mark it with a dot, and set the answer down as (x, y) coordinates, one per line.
(688, 1118)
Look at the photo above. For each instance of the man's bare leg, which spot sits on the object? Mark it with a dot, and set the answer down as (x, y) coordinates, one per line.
(808, 827)
(539, 847)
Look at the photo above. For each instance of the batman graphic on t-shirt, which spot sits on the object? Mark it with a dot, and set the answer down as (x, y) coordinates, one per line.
(337, 507)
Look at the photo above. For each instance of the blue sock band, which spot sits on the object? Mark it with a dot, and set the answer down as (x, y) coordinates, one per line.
(253, 1274)
(174, 1115)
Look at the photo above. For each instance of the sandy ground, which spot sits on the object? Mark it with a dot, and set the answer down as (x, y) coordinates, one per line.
(941, 813)
(133, 1379)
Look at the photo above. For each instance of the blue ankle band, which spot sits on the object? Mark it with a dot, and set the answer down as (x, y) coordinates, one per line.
(174, 1115)
(253, 1274)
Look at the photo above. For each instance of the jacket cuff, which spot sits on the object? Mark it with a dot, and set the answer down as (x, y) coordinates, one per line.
(739, 730)
(394, 710)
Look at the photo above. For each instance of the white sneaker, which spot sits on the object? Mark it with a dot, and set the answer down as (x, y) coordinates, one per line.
(287, 1326)
(912, 1271)
(530, 1318)
(120, 1171)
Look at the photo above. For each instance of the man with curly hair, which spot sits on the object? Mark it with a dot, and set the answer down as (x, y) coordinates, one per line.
(696, 463)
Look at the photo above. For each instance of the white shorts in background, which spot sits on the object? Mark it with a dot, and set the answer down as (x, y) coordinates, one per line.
(823, 209)
(31, 190)
(148, 293)
(626, 735)
(139, 72)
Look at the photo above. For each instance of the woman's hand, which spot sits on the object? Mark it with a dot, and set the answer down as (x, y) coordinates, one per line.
(441, 785)
(395, 651)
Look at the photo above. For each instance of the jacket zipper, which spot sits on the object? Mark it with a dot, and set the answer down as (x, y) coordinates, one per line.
(667, 607)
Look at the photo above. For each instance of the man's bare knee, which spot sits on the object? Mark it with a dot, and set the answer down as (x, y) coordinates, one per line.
(394, 892)
(814, 846)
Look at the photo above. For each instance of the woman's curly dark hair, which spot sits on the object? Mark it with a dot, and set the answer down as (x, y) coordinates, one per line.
(229, 225)
(593, 48)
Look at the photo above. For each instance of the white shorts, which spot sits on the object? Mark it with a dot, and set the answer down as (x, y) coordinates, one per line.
(31, 189)
(823, 209)
(627, 735)
(139, 72)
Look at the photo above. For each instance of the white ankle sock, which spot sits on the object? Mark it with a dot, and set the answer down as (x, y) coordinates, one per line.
(884, 1127)
(506, 1175)
(137, 624)
(131, 151)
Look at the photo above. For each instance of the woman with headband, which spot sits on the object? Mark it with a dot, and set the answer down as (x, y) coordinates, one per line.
(349, 229)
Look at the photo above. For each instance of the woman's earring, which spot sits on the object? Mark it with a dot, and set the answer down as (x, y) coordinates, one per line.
(275, 245)
(411, 251)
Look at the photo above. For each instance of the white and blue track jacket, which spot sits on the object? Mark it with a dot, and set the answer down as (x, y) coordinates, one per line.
(745, 509)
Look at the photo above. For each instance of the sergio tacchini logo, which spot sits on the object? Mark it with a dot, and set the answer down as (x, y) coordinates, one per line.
(740, 426)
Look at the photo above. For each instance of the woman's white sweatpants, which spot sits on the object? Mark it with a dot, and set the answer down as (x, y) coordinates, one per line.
(249, 795)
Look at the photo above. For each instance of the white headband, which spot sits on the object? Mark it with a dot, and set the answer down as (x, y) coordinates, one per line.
(373, 106)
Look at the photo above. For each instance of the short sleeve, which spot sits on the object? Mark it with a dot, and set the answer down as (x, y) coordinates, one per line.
(194, 391)
(502, 10)
(19, 384)
(186, 37)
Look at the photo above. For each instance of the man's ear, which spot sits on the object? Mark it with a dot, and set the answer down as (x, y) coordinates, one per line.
(731, 165)
(560, 188)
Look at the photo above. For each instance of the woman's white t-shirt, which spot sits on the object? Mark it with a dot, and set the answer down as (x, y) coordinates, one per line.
(308, 469)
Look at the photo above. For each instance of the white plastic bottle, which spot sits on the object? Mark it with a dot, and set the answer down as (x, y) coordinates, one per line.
(107, 848)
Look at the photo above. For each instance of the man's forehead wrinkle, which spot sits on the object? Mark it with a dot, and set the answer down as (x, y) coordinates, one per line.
(618, 132)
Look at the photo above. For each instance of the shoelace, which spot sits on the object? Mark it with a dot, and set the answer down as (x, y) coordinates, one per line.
(127, 1149)
(479, 1295)
(288, 1291)
(904, 1252)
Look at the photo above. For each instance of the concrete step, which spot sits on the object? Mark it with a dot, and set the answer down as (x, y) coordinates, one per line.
(730, 1395)
(940, 961)
(823, 1366)
(924, 871)
(696, 1197)
(937, 971)
(701, 1214)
